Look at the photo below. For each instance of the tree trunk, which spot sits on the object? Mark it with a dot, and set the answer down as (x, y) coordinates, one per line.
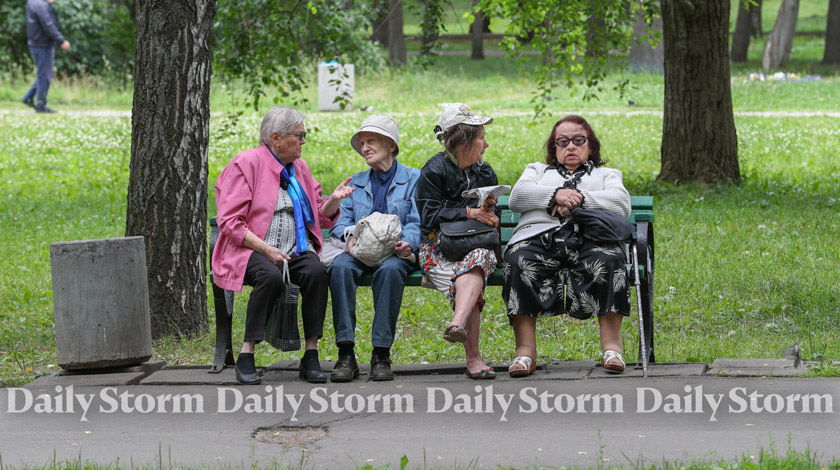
(643, 57)
(832, 34)
(743, 33)
(595, 26)
(167, 189)
(477, 31)
(380, 22)
(396, 39)
(780, 42)
(699, 142)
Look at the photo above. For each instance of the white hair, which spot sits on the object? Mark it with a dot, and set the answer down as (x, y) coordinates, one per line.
(279, 119)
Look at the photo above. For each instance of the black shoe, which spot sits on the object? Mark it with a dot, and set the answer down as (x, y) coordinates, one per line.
(246, 371)
(30, 102)
(310, 368)
(380, 368)
(346, 369)
(44, 109)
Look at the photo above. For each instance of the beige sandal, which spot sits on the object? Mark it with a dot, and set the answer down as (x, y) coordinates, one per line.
(609, 355)
(528, 366)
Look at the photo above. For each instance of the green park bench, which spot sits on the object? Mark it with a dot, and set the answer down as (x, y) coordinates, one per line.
(641, 216)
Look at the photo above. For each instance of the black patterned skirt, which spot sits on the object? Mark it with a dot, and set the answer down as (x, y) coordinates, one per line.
(536, 286)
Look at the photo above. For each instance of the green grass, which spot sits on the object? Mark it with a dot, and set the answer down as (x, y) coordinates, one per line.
(742, 271)
(765, 459)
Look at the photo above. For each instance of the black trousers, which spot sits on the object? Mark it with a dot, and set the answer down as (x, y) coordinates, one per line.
(307, 272)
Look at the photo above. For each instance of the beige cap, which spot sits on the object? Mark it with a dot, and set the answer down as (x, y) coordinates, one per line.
(458, 113)
(378, 124)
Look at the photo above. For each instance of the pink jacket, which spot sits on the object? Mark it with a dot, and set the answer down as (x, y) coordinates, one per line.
(246, 195)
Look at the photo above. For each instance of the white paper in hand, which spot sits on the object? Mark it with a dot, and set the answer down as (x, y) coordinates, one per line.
(484, 192)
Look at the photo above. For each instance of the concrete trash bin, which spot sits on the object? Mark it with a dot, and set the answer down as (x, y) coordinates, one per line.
(101, 301)
(335, 80)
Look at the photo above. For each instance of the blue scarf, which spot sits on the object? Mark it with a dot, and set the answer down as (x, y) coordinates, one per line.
(300, 203)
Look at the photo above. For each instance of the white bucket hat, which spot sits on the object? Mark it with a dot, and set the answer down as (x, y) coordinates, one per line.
(382, 125)
(458, 113)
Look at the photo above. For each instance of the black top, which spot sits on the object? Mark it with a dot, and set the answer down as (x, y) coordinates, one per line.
(439, 189)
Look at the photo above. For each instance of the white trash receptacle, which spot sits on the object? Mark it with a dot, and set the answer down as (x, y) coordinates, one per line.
(335, 80)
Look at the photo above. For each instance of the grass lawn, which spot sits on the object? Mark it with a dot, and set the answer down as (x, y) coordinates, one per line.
(742, 271)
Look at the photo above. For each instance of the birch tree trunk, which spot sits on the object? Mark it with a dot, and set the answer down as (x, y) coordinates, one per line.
(167, 190)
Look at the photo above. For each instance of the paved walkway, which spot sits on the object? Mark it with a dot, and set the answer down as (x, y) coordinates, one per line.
(567, 414)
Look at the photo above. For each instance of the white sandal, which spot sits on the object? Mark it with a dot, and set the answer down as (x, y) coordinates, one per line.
(527, 362)
(609, 355)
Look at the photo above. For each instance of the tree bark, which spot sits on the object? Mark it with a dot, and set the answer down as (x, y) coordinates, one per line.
(743, 33)
(699, 142)
(396, 40)
(167, 189)
(832, 34)
(780, 41)
(477, 31)
(643, 57)
(380, 22)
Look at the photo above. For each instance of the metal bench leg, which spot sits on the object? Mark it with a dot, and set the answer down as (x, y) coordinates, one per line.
(642, 332)
(224, 350)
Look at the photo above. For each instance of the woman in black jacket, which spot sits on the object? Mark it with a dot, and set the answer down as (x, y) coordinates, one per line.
(442, 181)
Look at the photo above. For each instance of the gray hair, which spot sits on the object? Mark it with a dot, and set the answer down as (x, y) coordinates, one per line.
(279, 119)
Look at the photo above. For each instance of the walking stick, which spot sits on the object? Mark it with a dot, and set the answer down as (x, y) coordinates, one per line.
(639, 306)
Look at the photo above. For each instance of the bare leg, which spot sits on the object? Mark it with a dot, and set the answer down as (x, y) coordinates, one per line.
(312, 343)
(467, 290)
(474, 361)
(524, 329)
(610, 332)
(248, 347)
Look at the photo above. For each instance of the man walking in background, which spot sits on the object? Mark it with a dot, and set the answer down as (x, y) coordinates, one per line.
(42, 37)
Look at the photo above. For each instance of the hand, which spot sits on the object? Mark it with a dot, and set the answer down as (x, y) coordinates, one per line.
(351, 242)
(485, 216)
(489, 203)
(342, 190)
(276, 255)
(65, 46)
(566, 200)
(402, 249)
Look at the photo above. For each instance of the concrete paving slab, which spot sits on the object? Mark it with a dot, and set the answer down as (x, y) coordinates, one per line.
(147, 368)
(191, 377)
(658, 369)
(726, 367)
(49, 382)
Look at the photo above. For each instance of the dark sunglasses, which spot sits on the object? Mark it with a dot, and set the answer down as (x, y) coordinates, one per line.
(563, 142)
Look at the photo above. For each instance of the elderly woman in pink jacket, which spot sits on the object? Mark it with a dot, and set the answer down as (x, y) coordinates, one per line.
(270, 212)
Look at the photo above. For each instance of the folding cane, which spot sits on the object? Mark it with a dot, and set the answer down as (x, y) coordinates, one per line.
(639, 306)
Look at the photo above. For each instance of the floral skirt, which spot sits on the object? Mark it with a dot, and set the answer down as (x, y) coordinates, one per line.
(535, 285)
(440, 273)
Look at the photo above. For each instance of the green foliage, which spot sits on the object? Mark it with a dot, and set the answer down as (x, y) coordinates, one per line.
(573, 49)
(267, 44)
(101, 34)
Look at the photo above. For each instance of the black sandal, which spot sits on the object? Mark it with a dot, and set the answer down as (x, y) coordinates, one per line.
(455, 334)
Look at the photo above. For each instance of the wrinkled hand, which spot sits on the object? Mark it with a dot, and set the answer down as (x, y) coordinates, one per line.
(402, 249)
(65, 46)
(351, 242)
(276, 255)
(342, 190)
(566, 200)
(485, 216)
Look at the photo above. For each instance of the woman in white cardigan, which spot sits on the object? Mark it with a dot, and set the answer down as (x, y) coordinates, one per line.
(545, 195)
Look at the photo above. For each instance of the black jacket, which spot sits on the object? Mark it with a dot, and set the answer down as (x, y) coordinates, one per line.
(439, 189)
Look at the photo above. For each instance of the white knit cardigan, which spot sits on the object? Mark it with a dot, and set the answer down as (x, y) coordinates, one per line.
(601, 189)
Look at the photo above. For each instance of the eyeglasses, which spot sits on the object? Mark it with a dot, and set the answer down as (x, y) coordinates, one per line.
(563, 142)
(302, 135)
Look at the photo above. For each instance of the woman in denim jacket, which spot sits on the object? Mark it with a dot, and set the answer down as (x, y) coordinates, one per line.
(388, 187)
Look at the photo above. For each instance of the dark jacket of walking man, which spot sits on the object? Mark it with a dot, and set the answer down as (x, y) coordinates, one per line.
(43, 35)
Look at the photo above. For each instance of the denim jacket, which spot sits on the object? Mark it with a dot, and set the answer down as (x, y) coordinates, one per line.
(400, 199)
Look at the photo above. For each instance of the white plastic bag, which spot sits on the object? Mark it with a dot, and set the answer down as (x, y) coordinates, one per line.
(376, 237)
